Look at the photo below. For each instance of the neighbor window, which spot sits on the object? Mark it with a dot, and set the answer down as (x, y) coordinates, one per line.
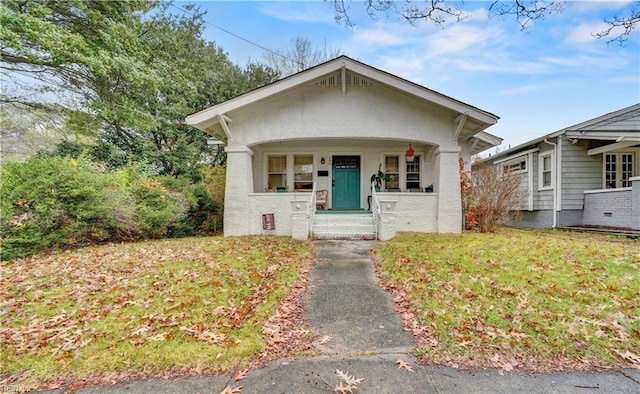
(392, 168)
(546, 168)
(413, 174)
(517, 165)
(618, 168)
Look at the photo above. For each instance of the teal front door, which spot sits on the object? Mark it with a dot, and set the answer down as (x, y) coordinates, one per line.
(345, 192)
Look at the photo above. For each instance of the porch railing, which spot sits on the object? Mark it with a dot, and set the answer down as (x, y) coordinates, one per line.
(375, 209)
(311, 208)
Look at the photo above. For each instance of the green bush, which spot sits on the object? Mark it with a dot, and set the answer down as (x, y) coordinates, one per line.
(202, 211)
(158, 208)
(52, 201)
(57, 201)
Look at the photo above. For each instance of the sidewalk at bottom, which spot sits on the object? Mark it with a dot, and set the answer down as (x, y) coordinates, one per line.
(380, 374)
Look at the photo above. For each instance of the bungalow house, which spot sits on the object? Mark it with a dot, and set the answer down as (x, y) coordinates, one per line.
(584, 175)
(314, 139)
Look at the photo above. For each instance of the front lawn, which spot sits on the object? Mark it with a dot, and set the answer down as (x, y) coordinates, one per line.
(536, 300)
(170, 306)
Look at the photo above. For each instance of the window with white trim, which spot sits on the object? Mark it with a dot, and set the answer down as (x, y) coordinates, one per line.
(545, 180)
(413, 173)
(618, 168)
(303, 172)
(518, 165)
(392, 168)
(277, 172)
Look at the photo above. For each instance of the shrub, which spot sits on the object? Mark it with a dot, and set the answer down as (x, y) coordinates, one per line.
(57, 201)
(157, 207)
(202, 210)
(491, 197)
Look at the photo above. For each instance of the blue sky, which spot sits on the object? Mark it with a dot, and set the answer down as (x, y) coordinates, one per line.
(550, 76)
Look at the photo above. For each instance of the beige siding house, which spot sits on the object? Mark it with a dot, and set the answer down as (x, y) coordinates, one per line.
(584, 175)
(322, 133)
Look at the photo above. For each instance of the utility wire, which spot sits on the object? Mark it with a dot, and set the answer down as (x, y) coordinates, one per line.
(239, 37)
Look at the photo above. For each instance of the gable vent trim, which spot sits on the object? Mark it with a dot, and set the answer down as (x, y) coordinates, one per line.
(335, 81)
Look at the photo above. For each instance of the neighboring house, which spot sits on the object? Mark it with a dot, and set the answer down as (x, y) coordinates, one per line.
(583, 175)
(329, 128)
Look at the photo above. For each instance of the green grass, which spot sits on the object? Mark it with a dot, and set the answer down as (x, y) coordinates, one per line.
(532, 299)
(188, 305)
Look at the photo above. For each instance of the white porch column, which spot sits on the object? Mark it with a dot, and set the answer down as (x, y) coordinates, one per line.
(448, 188)
(635, 202)
(239, 183)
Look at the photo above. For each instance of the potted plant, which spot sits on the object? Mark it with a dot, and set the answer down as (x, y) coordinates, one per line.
(378, 177)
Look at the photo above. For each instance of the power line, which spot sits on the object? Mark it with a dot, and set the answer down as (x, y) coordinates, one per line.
(237, 36)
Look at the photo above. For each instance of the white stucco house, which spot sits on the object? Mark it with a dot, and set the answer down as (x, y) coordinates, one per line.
(329, 128)
(587, 174)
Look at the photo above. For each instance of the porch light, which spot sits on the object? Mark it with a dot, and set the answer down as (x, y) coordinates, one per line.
(410, 154)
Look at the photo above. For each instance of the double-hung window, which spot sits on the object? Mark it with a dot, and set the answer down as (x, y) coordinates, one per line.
(545, 175)
(303, 172)
(413, 173)
(277, 172)
(289, 171)
(392, 168)
(618, 168)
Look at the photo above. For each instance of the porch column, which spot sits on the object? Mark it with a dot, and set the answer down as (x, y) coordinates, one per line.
(635, 202)
(239, 183)
(447, 186)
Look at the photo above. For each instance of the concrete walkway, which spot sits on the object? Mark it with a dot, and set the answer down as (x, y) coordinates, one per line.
(360, 335)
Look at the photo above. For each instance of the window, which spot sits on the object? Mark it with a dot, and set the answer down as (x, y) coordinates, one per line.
(618, 168)
(546, 171)
(277, 172)
(392, 168)
(413, 173)
(519, 165)
(303, 172)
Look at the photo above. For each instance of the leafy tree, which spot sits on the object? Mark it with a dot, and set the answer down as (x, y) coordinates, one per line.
(300, 55)
(131, 66)
(523, 11)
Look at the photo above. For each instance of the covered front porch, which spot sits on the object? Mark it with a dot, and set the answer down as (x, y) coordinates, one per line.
(287, 177)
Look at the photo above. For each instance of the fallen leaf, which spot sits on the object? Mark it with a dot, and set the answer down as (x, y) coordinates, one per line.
(631, 357)
(241, 375)
(348, 379)
(344, 389)
(324, 340)
(405, 365)
(232, 390)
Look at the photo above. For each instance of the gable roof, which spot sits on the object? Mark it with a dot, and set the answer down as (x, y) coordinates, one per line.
(620, 126)
(476, 119)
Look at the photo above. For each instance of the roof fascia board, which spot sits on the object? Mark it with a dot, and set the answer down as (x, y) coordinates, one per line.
(515, 156)
(264, 92)
(610, 115)
(516, 149)
(610, 147)
(332, 66)
(421, 92)
(602, 135)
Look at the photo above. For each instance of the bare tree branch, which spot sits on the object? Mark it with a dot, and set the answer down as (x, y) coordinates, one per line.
(627, 24)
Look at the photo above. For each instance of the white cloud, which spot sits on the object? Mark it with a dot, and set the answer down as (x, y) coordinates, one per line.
(461, 38)
(378, 36)
(589, 6)
(302, 12)
(584, 32)
(521, 90)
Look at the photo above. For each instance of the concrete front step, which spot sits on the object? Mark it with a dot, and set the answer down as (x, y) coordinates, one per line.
(344, 226)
